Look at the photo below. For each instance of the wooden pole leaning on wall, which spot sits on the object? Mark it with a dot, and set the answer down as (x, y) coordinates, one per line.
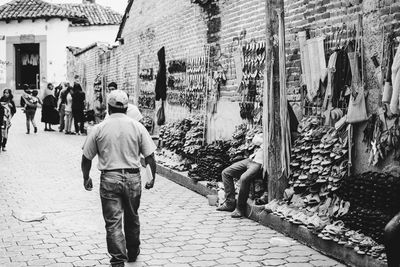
(271, 109)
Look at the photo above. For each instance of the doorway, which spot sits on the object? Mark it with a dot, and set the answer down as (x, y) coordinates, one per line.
(27, 66)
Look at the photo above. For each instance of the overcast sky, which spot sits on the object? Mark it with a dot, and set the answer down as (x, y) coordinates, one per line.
(117, 5)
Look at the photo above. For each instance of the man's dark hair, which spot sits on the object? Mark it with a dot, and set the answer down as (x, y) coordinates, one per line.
(35, 92)
(117, 110)
(77, 88)
(113, 84)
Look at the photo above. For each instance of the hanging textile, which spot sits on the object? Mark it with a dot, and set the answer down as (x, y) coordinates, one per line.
(388, 89)
(342, 77)
(394, 103)
(284, 114)
(161, 82)
(313, 63)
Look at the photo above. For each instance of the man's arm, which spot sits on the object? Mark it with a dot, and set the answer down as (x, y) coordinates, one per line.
(86, 165)
(152, 162)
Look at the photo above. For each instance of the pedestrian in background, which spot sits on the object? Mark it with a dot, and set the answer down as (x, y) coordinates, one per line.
(78, 107)
(7, 100)
(30, 102)
(118, 142)
(68, 110)
(133, 111)
(62, 100)
(99, 107)
(49, 108)
(1, 122)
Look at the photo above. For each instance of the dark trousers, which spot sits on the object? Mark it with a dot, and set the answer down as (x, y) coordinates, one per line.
(245, 170)
(79, 120)
(392, 241)
(62, 117)
(30, 118)
(120, 198)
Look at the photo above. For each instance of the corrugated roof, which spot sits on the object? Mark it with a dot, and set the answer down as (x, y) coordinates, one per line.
(95, 13)
(38, 9)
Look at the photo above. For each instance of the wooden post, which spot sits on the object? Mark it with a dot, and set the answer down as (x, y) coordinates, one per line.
(271, 108)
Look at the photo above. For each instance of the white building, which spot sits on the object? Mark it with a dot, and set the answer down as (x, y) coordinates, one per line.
(34, 35)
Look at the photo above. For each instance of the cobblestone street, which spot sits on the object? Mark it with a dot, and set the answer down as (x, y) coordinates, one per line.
(41, 173)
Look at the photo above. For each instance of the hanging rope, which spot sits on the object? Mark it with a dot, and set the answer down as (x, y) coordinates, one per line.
(285, 124)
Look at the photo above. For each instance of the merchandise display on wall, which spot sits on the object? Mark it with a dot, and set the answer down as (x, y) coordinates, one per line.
(188, 81)
(252, 84)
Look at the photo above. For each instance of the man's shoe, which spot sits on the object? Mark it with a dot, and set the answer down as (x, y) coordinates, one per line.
(133, 258)
(226, 207)
(237, 214)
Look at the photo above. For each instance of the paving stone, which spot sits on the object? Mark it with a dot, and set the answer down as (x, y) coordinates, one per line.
(23, 258)
(300, 253)
(297, 259)
(323, 263)
(228, 260)
(204, 263)
(249, 264)
(86, 263)
(51, 255)
(94, 256)
(67, 259)
(190, 253)
(42, 262)
(180, 259)
(158, 262)
(60, 265)
(274, 262)
(276, 255)
(205, 257)
(297, 264)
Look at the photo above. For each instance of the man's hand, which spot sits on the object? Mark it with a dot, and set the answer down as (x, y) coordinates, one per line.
(88, 184)
(150, 184)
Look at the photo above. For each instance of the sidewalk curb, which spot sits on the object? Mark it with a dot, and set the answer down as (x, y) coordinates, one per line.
(299, 233)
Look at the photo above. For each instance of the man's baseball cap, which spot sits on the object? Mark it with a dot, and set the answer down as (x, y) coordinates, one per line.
(118, 99)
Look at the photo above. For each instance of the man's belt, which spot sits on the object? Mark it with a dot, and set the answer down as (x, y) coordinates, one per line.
(132, 170)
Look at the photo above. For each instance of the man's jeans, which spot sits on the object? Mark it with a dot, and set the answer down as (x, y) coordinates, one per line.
(245, 170)
(120, 198)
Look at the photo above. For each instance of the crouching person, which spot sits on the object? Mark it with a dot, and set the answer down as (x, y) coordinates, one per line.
(246, 171)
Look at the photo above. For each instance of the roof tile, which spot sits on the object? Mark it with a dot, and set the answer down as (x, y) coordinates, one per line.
(95, 13)
(80, 14)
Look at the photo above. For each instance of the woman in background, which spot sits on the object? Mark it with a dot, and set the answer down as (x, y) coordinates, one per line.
(7, 101)
(68, 110)
(49, 112)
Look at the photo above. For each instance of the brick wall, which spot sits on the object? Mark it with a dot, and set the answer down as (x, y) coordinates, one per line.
(183, 28)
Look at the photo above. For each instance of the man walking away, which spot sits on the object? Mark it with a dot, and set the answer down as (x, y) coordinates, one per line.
(78, 107)
(118, 142)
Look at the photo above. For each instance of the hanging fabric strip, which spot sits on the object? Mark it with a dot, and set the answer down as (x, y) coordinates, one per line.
(285, 124)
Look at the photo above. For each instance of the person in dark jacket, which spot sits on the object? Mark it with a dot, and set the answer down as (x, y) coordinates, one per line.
(49, 109)
(78, 107)
(7, 100)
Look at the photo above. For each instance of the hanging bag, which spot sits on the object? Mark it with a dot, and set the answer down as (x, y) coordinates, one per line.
(161, 115)
(357, 111)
